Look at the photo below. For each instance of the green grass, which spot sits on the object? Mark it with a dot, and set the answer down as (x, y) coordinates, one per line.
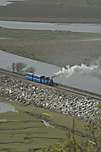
(44, 35)
(24, 131)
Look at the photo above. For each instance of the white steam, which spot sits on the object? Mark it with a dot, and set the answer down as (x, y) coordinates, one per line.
(94, 70)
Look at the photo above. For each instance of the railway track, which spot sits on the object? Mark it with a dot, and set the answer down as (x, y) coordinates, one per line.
(72, 90)
(79, 91)
(9, 73)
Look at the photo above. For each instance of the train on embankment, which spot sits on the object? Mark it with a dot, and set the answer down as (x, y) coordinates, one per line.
(40, 79)
(52, 83)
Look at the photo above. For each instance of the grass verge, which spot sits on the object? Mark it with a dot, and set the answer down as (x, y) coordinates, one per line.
(24, 130)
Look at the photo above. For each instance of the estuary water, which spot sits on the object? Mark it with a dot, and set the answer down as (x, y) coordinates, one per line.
(6, 107)
(78, 76)
(7, 2)
(74, 27)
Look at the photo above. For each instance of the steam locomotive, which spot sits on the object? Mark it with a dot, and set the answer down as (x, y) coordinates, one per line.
(39, 79)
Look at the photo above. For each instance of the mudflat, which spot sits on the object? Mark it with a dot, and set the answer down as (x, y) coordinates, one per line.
(53, 11)
(59, 48)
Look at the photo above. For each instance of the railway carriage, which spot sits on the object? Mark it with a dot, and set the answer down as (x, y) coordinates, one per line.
(39, 79)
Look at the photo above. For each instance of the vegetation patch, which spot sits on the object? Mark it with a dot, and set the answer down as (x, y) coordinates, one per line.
(24, 130)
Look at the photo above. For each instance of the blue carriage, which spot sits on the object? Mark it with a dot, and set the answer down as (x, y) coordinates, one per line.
(39, 79)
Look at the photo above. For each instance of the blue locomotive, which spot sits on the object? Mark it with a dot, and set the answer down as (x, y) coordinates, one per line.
(39, 79)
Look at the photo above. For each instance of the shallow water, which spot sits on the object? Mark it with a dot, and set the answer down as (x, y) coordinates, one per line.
(6, 107)
(6, 60)
(84, 82)
(89, 81)
(75, 27)
(7, 2)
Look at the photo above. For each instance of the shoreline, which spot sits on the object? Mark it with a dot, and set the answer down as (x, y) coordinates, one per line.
(53, 20)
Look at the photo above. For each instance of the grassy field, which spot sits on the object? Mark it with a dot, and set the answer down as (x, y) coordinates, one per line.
(58, 48)
(53, 11)
(24, 131)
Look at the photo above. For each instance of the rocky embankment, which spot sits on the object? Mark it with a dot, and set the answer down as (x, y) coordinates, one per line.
(17, 90)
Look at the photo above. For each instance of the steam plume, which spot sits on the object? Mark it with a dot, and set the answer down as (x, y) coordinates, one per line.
(94, 70)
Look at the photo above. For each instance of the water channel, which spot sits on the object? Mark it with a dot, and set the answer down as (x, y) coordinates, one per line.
(6, 107)
(7, 2)
(75, 27)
